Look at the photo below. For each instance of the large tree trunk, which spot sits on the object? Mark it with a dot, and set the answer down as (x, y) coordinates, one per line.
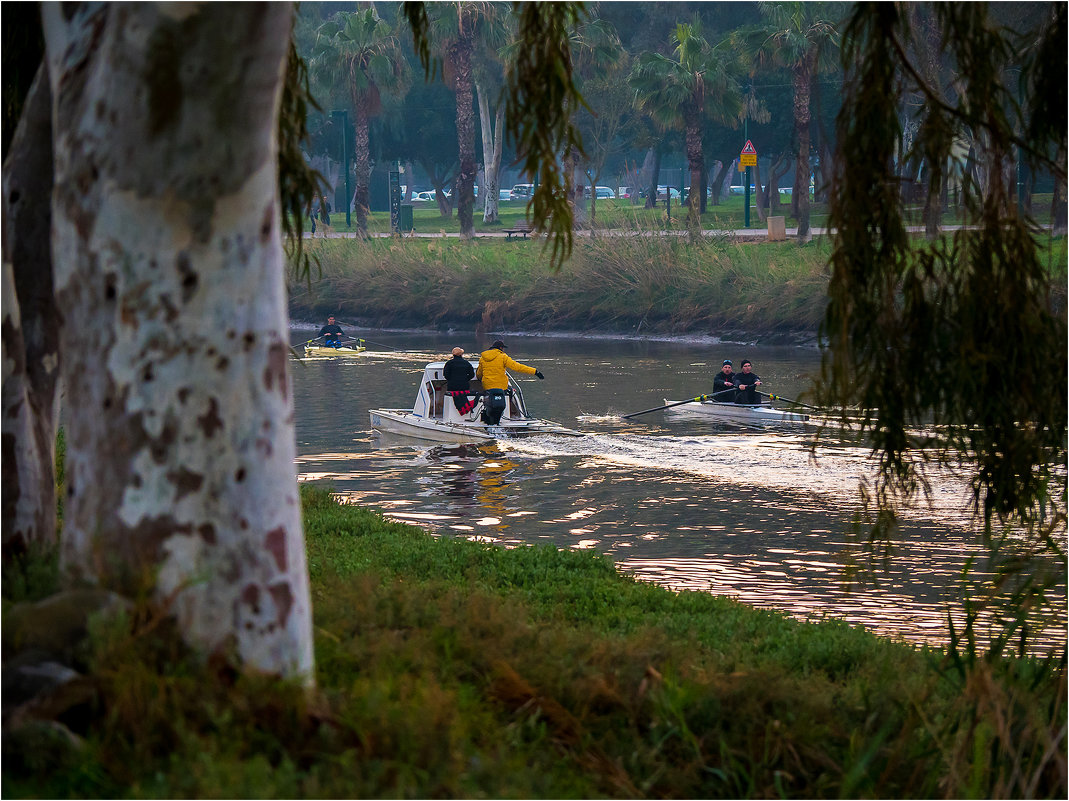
(31, 327)
(169, 277)
(460, 54)
(802, 85)
(492, 137)
(362, 154)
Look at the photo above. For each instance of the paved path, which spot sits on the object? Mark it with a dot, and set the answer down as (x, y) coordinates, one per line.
(747, 234)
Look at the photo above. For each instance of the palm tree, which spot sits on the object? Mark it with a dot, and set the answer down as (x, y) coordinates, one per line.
(458, 28)
(800, 36)
(698, 81)
(362, 50)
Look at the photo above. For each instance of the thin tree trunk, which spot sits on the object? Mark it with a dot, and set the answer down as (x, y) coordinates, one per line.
(1059, 207)
(170, 282)
(460, 54)
(31, 326)
(492, 139)
(802, 81)
(718, 181)
(760, 199)
(654, 175)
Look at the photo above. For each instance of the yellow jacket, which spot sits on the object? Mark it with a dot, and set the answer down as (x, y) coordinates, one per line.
(492, 366)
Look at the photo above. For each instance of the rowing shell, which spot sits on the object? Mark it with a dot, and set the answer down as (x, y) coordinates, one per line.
(323, 350)
(738, 413)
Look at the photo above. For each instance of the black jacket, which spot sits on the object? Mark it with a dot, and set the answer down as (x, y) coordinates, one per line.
(720, 384)
(749, 395)
(331, 329)
(458, 373)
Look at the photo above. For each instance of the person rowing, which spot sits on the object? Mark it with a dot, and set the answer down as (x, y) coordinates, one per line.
(747, 382)
(331, 333)
(724, 385)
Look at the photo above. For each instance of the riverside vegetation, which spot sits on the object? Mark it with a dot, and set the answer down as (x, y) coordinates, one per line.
(632, 281)
(450, 668)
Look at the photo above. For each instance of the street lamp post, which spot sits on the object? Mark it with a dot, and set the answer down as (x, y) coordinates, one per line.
(345, 163)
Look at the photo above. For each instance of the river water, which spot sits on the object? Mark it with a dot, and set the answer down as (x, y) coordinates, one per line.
(745, 512)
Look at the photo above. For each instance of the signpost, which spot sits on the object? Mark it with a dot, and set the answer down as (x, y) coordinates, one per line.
(748, 159)
(395, 199)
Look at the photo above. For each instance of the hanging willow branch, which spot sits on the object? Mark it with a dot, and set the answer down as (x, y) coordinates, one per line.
(959, 335)
(298, 183)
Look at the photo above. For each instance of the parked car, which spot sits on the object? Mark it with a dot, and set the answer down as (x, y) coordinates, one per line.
(522, 191)
(740, 190)
(604, 193)
(670, 191)
(424, 197)
(623, 191)
(504, 194)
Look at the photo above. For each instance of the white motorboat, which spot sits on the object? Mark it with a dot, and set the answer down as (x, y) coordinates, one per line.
(332, 351)
(434, 416)
(761, 413)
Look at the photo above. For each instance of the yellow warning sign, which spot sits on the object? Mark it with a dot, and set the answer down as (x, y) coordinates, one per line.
(748, 160)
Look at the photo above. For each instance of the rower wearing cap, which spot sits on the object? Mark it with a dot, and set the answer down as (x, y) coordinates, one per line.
(724, 385)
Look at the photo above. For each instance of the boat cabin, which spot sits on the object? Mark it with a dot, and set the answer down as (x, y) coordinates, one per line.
(432, 401)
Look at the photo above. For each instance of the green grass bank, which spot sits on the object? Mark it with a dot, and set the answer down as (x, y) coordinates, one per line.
(449, 668)
(626, 284)
(634, 283)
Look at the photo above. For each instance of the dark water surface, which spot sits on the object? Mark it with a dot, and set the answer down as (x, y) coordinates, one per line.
(683, 502)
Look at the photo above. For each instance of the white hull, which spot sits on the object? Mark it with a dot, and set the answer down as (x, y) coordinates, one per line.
(738, 413)
(434, 416)
(404, 421)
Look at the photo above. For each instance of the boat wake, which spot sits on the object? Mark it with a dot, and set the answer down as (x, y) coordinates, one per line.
(777, 461)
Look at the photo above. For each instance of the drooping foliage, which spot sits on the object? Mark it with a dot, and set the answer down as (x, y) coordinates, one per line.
(959, 335)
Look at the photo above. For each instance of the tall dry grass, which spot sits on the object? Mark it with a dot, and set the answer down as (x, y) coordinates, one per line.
(638, 282)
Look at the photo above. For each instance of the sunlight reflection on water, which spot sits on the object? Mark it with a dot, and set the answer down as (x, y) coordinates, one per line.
(749, 514)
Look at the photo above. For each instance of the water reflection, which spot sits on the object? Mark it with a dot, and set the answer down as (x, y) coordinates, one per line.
(688, 504)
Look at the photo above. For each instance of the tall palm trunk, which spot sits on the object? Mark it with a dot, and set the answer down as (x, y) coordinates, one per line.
(695, 164)
(803, 73)
(362, 152)
(460, 54)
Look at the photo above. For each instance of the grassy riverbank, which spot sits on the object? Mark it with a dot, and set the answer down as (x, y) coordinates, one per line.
(637, 284)
(448, 668)
(628, 284)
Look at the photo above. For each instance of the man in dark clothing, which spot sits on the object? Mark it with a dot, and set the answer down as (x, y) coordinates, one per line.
(331, 333)
(724, 384)
(747, 382)
(458, 373)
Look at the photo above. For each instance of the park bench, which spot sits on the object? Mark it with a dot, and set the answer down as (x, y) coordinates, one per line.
(520, 229)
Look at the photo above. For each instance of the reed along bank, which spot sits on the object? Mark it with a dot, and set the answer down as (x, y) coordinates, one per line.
(626, 283)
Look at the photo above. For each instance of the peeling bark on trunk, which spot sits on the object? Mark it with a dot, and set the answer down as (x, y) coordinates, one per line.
(169, 276)
(492, 133)
(31, 325)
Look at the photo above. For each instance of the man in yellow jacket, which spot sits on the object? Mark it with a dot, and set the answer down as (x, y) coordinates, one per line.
(494, 362)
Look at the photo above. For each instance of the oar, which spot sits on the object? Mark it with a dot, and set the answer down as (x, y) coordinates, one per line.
(310, 341)
(698, 399)
(788, 400)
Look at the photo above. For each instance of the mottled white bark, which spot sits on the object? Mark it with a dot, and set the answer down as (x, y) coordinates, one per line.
(169, 274)
(30, 331)
(492, 133)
